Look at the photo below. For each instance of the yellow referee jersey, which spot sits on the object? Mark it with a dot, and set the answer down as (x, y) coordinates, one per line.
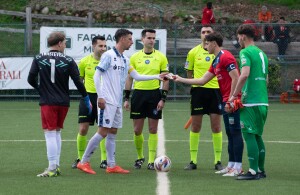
(87, 68)
(149, 64)
(199, 60)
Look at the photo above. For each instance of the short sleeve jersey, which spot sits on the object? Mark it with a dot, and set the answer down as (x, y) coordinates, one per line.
(254, 92)
(221, 66)
(87, 68)
(149, 64)
(199, 61)
(115, 68)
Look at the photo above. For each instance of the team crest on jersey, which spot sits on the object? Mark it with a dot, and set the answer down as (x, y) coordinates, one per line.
(107, 121)
(147, 61)
(207, 58)
(243, 61)
(115, 67)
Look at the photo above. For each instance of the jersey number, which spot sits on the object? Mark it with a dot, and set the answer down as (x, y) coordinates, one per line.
(52, 72)
(262, 62)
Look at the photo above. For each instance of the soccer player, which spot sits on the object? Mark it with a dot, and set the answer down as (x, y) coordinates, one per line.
(113, 70)
(205, 99)
(54, 69)
(225, 69)
(147, 100)
(87, 68)
(253, 85)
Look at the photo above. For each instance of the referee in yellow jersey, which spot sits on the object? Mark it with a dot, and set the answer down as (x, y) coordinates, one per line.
(147, 98)
(205, 99)
(87, 67)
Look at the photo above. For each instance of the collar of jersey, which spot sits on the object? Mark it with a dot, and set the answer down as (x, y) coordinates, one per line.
(117, 52)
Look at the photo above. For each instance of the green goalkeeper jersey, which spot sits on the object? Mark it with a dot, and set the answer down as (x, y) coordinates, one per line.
(255, 92)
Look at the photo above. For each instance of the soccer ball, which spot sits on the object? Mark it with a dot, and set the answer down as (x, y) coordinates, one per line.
(162, 164)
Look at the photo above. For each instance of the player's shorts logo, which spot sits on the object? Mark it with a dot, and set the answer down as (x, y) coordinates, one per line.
(155, 112)
(147, 61)
(107, 121)
(207, 58)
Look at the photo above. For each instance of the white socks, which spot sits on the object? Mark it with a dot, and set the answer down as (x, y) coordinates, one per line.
(58, 142)
(51, 145)
(92, 145)
(111, 149)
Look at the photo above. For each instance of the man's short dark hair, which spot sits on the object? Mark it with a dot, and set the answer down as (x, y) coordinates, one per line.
(121, 33)
(55, 37)
(96, 38)
(147, 30)
(246, 29)
(209, 5)
(215, 36)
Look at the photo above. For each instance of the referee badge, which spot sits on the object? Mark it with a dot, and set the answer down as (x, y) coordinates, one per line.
(147, 61)
(207, 58)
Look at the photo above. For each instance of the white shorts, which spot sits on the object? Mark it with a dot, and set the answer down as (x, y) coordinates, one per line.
(110, 117)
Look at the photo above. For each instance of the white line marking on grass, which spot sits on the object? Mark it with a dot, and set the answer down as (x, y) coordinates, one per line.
(206, 141)
(163, 187)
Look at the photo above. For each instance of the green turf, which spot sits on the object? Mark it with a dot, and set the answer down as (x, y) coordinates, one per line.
(22, 160)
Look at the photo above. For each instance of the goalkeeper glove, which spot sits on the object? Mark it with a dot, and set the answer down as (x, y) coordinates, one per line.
(88, 104)
(236, 104)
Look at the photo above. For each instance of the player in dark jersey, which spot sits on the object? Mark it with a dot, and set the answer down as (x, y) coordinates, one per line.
(225, 68)
(54, 69)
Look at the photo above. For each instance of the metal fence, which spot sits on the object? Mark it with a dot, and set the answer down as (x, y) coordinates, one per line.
(181, 38)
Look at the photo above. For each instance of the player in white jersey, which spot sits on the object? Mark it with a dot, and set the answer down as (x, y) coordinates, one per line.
(113, 68)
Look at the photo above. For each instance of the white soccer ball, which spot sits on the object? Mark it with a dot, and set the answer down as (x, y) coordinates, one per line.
(162, 164)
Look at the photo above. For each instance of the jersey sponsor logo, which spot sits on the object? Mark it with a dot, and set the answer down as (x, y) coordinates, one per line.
(186, 64)
(207, 58)
(115, 67)
(147, 61)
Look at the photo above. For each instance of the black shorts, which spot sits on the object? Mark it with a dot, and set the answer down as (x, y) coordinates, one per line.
(205, 101)
(144, 104)
(83, 116)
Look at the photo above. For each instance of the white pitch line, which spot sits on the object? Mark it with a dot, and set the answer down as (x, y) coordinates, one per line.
(163, 183)
(205, 141)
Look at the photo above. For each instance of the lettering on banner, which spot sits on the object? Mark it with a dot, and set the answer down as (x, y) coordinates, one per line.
(6, 74)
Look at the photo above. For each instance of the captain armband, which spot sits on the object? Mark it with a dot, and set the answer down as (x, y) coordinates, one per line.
(164, 94)
(126, 95)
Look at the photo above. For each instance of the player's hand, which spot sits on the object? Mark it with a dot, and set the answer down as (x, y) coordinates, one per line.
(101, 103)
(233, 106)
(168, 76)
(126, 105)
(162, 76)
(160, 105)
(88, 104)
(177, 78)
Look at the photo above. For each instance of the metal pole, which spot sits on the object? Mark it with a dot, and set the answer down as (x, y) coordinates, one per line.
(28, 30)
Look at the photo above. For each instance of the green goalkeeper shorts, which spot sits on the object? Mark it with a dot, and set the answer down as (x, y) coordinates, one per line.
(253, 119)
